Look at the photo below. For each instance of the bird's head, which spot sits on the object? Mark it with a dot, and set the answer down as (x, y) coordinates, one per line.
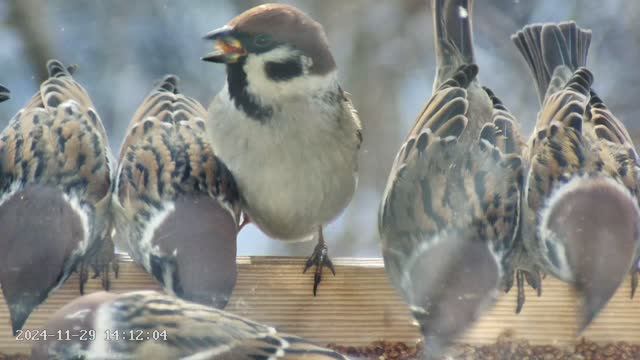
(280, 50)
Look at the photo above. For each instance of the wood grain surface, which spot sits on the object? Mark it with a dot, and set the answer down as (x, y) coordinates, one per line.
(359, 306)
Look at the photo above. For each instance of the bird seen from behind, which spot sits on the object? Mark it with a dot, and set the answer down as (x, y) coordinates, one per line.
(581, 216)
(176, 205)
(55, 179)
(450, 215)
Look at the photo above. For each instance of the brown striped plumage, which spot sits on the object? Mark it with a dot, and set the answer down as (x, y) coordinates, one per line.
(183, 329)
(450, 214)
(176, 203)
(55, 193)
(581, 159)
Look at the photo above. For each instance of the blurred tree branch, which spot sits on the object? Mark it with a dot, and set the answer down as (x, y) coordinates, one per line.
(29, 20)
(243, 5)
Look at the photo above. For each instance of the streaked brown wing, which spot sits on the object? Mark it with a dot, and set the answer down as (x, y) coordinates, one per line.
(558, 150)
(165, 154)
(210, 333)
(55, 180)
(58, 139)
(177, 207)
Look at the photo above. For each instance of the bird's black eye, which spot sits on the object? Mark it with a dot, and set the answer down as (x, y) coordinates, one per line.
(262, 40)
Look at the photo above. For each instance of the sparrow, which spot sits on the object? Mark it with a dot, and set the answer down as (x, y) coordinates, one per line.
(55, 178)
(152, 325)
(5, 94)
(450, 214)
(176, 205)
(283, 125)
(580, 206)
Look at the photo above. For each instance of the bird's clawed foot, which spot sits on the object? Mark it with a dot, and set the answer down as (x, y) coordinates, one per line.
(103, 262)
(319, 258)
(533, 279)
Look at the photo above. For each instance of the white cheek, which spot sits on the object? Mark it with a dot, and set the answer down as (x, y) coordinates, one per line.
(268, 91)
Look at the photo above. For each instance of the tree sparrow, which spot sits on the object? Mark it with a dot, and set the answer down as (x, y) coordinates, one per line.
(176, 205)
(581, 206)
(449, 218)
(55, 178)
(152, 325)
(283, 125)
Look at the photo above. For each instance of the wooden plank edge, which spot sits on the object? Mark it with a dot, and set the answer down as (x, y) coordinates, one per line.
(359, 306)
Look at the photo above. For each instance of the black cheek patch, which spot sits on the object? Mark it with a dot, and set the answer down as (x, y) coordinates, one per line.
(282, 71)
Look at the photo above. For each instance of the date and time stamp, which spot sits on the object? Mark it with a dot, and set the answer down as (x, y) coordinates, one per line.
(90, 335)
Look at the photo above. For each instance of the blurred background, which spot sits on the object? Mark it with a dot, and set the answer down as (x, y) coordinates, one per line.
(383, 49)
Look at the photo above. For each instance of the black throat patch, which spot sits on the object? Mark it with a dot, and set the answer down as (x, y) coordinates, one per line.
(238, 93)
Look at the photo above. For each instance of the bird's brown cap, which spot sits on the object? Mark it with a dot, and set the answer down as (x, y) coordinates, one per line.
(289, 25)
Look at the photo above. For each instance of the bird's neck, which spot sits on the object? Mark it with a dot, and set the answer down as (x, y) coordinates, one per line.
(241, 96)
(254, 91)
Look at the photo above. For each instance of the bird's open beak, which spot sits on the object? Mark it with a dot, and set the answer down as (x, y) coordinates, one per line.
(228, 49)
(4, 93)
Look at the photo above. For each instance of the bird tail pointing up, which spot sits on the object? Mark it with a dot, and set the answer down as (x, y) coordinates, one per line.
(453, 36)
(548, 47)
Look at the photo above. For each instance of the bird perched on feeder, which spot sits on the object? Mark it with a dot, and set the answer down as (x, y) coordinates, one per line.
(449, 218)
(55, 176)
(176, 205)
(581, 207)
(152, 325)
(283, 125)
(4, 93)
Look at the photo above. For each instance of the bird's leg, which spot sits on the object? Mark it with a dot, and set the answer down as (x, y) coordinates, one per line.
(83, 275)
(507, 282)
(532, 278)
(246, 220)
(635, 268)
(104, 261)
(521, 295)
(320, 259)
